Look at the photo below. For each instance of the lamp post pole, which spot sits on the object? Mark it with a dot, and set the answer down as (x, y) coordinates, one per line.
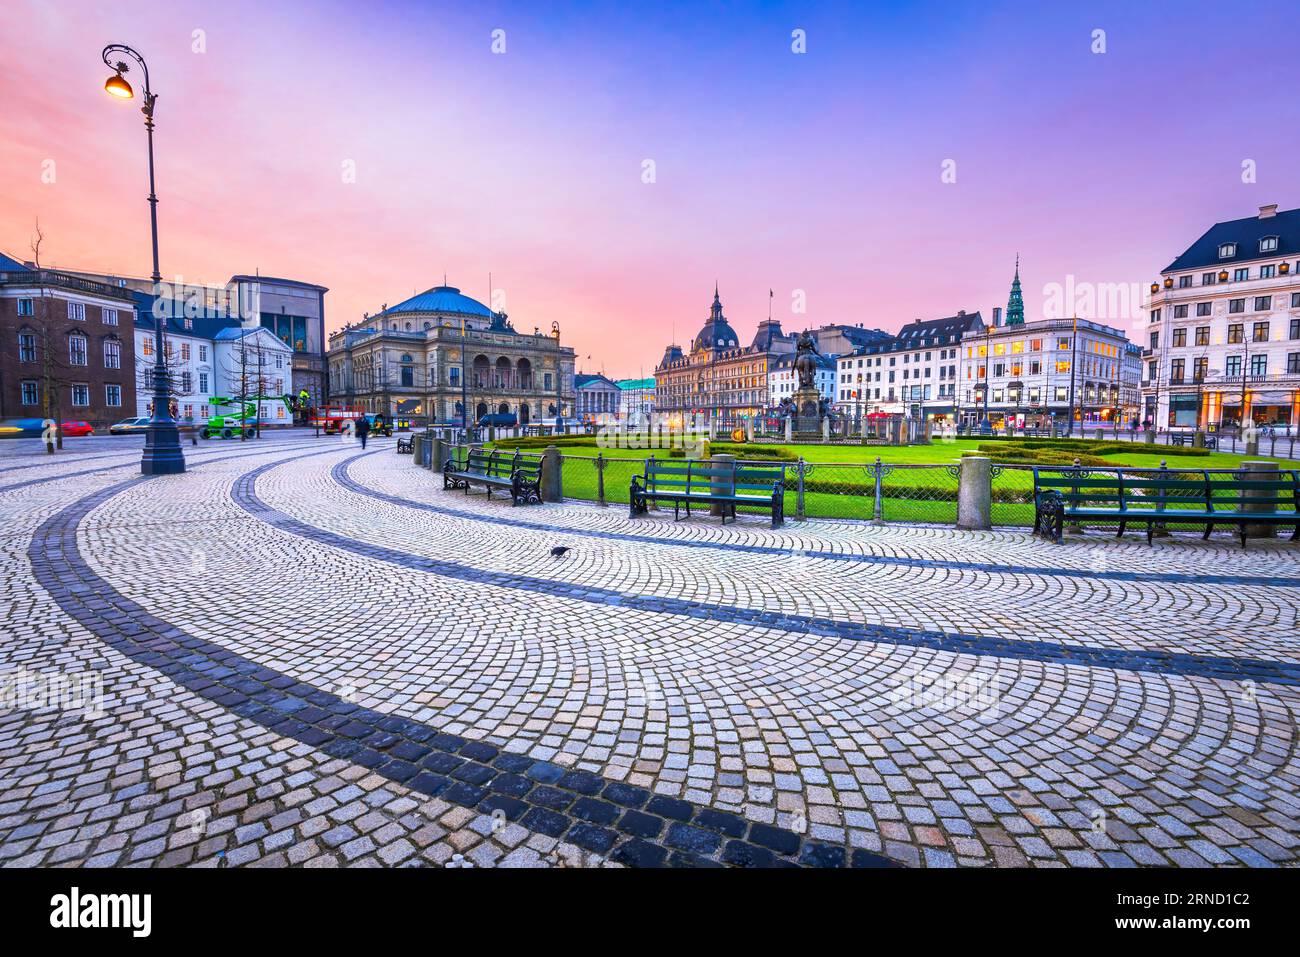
(162, 444)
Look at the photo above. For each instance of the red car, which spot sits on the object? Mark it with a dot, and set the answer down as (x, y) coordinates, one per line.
(77, 428)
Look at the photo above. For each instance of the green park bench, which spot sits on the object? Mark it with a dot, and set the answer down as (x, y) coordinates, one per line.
(695, 482)
(1157, 496)
(519, 474)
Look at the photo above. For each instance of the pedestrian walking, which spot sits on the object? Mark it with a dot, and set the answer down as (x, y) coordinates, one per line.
(362, 429)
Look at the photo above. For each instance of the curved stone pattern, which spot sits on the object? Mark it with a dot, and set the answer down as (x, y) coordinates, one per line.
(677, 669)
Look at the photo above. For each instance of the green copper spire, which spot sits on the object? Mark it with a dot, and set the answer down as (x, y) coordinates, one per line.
(1016, 303)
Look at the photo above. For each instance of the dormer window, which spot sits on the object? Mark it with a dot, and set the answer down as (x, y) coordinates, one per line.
(1268, 244)
(1227, 250)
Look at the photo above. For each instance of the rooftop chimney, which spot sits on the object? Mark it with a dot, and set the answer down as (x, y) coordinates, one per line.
(1267, 212)
(997, 315)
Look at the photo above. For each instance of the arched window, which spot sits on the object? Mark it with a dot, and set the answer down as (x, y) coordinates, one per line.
(408, 371)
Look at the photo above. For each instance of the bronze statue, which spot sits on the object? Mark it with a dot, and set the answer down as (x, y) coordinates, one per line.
(805, 362)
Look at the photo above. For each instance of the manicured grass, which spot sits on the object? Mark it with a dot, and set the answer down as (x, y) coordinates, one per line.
(838, 485)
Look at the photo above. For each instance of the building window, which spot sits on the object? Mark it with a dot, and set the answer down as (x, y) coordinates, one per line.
(1184, 282)
(1202, 308)
(1293, 363)
(1295, 329)
(1235, 333)
(1267, 272)
(547, 380)
(1176, 369)
(203, 353)
(1155, 339)
(1268, 244)
(1259, 365)
(1263, 303)
(185, 352)
(187, 383)
(112, 354)
(1199, 367)
(1208, 278)
(26, 307)
(1202, 335)
(203, 382)
(1233, 367)
(1180, 338)
(1259, 332)
(1227, 250)
(1295, 300)
(80, 394)
(77, 311)
(1236, 305)
(109, 316)
(113, 395)
(77, 350)
(30, 392)
(27, 346)
(1180, 312)
(147, 344)
(1241, 275)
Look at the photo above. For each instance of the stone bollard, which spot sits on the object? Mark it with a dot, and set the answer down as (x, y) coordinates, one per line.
(552, 475)
(1150, 437)
(1265, 471)
(417, 449)
(975, 493)
(826, 429)
(1198, 440)
(789, 429)
(723, 484)
(1101, 435)
(433, 458)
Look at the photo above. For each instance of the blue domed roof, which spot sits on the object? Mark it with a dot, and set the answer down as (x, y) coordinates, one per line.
(442, 299)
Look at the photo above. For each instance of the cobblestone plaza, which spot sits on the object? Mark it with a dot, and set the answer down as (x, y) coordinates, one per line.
(308, 654)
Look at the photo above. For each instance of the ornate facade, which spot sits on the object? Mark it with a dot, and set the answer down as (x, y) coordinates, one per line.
(437, 353)
(722, 382)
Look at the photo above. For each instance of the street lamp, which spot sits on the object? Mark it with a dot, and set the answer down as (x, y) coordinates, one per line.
(162, 443)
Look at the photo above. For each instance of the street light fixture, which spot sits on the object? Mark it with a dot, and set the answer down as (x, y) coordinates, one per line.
(162, 443)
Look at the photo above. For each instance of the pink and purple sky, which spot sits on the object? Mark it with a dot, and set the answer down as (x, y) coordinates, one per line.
(818, 172)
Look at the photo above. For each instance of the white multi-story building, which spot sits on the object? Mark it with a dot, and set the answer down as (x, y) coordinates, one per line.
(637, 402)
(210, 354)
(783, 383)
(914, 373)
(1223, 342)
(1036, 374)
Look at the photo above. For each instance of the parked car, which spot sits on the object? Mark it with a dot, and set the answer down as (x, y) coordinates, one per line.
(77, 428)
(129, 426)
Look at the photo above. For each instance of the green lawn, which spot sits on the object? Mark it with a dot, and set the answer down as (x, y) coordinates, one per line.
(838, 485)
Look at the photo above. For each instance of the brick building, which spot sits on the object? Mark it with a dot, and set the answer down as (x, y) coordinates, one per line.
(67, 347)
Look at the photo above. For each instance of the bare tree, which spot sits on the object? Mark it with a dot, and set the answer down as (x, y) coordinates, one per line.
(54, 364)
(175, 371)
(247, 368)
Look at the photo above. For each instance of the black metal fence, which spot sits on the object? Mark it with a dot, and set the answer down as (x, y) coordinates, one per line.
(869, 491)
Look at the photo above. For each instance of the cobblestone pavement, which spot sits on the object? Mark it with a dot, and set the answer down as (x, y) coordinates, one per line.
(313, 655)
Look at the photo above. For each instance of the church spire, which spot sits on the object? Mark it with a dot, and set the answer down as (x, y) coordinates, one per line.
(1016, 302)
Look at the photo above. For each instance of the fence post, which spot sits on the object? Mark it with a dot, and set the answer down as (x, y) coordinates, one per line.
(720, 485)
(1268, 471)
(552, 475)
(1161, 530)
(878, 510)
(798, 499)
(600, 479)
(975, 493)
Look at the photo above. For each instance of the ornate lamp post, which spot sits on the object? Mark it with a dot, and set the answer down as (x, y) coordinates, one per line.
(162, 444)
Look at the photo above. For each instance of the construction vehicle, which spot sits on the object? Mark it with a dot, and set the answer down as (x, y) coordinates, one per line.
(230, 425)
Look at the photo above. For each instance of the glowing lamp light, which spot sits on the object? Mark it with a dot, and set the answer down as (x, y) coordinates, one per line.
(117, 86)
